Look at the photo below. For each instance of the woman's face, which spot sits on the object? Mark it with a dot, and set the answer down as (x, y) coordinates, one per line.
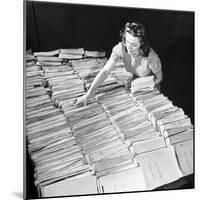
(132, 44)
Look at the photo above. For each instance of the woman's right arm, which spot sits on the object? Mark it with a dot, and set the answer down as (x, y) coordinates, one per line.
(101, 76)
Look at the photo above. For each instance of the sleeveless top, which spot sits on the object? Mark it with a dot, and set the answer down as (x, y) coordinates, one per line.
(141, 66)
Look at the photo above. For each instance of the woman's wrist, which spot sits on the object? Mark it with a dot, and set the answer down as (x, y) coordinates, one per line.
(88, 94)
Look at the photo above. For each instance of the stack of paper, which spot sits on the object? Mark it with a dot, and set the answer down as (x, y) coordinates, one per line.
(34, 76)
(114, 164)
(127, 117)
(91, 126)
(47, 53)
(54, 69)
(48, 58)
(71, 54)
(94, 54)
(122, 76)
(36, 91)
(87, 69)
(94, 132)
(154, 103)
(30, 57)
(81, 185)
(159, 167)
(128, 180)
(64, 83)
(171, 121)
(143, 84)
(143, 95)
(76, 51)
(53, 148)
(184, 153)
(148, 145)
(33, 71)
(108, 85)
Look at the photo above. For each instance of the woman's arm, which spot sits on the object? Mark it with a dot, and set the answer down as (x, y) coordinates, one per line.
(158, 77)
(156, 68)
(101, 76)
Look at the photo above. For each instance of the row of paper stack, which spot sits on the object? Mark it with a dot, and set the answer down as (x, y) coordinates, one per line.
(51, 144)
(114, 133)
(171, 121)
(58, 56)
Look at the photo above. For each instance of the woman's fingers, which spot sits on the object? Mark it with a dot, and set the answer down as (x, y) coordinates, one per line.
(74, 101)
(85, 102)
(81, 101)
(77, 101)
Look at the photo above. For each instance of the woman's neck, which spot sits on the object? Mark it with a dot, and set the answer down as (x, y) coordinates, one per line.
(134, 56)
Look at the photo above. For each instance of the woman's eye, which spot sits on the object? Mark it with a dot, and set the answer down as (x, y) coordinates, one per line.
(133, 45)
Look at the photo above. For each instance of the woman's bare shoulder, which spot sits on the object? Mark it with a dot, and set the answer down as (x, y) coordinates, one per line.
(153, 56)
(117, 49)
(154, 61)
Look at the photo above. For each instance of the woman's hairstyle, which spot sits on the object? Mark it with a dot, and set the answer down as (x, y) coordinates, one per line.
(136, 30)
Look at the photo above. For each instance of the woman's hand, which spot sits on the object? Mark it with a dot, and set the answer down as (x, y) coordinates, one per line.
(83, 100)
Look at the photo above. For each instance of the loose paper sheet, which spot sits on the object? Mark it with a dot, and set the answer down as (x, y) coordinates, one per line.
(159, 167)
(124, 181)
(78, 186)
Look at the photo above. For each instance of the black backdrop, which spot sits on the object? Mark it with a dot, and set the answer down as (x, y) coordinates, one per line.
(51, 26)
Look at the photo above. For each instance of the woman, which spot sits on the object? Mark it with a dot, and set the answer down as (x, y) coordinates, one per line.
(138, 58)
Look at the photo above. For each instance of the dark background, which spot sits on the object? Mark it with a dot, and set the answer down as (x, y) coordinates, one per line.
(51, 26)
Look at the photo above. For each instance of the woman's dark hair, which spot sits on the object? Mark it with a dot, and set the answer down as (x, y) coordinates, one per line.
(136, 30)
